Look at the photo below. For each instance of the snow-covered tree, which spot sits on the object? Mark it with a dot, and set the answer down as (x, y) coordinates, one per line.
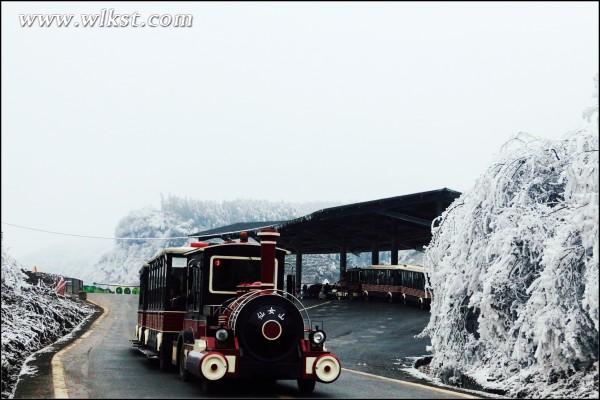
(32, 317)
(513, 265)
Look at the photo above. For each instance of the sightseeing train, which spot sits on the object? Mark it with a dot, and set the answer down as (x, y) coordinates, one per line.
(219, 311)
(403, 282)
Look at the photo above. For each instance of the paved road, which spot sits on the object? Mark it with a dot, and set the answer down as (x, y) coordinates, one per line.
(374, 337)
(101, 363)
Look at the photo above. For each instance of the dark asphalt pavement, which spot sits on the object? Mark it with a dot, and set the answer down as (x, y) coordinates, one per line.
(375, 337)
(371, 337)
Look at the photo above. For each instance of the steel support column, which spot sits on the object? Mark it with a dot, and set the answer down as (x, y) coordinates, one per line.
(394, 250)
(343, 262)
(375, 255)
(298, 272)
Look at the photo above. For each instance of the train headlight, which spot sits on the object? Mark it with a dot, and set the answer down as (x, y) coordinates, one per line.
(222, 335)
(318, 337)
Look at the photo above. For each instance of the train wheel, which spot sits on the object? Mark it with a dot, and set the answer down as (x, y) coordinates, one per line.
(165, 359)
(306, 386)
(184, 375)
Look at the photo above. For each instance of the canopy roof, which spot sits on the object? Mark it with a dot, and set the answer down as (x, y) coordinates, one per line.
(402, 221)
(233, 230)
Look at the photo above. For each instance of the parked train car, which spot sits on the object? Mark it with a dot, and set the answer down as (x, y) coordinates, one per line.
(73, 287)
(218, 311)
(392, 282)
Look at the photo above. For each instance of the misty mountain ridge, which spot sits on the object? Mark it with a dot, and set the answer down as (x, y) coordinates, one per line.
(179, 217)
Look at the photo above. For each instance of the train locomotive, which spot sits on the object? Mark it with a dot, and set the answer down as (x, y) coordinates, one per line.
(218, 312)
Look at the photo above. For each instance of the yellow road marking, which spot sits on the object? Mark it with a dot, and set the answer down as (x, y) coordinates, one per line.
(58, 371)
(414, 384)
(58, 379)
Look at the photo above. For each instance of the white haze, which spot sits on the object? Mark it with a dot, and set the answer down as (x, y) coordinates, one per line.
(296, 102)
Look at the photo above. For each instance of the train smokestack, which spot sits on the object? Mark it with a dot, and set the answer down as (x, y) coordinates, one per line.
(268, 241)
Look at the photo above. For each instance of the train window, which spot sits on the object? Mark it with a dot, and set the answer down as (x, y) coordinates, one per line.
(198, 288)
(157, 285)
(421, 281)
(153, 292)
(163, 283)
(189, 292)
(226, 272)
(177, 290)
(150, 287)
(404, 278)
(178, 262)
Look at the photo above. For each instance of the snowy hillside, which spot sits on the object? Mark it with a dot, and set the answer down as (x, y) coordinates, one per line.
(514, 272)
(180, 217)
(32, 318)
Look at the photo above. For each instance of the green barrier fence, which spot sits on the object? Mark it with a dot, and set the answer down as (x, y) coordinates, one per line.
(118, 290)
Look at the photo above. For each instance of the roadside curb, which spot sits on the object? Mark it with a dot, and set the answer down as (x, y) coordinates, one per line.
(58, 374)
(40, 384)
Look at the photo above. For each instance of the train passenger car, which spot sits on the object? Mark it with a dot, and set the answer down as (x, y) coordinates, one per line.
(227, 316)
(392, 282)
(160, 308)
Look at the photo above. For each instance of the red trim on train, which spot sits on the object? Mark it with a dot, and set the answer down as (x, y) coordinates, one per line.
(162, 320)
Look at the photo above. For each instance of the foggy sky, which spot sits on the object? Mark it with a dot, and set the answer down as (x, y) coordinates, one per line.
(298, 102)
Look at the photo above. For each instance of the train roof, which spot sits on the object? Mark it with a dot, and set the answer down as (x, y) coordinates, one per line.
(189, 250)
(404, 267)
(195, 250)
(169, 250)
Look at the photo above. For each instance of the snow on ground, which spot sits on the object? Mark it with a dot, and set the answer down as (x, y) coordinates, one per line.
(32, 318)
(513, 265)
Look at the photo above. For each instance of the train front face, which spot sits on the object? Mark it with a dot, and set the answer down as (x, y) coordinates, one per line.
(259, 333)
(274, 343)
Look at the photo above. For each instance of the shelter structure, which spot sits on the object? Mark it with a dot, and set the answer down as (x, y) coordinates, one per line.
(389, 224)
